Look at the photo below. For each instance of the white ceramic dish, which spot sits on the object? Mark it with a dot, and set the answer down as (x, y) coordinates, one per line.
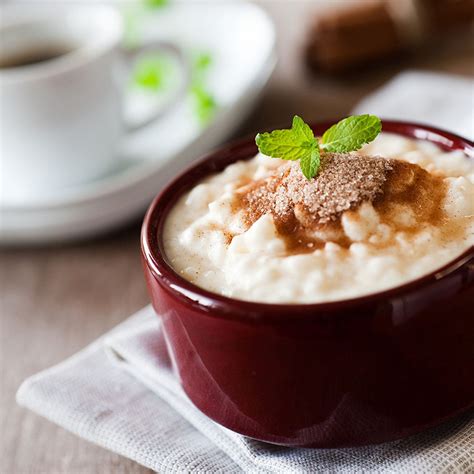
(241, 39)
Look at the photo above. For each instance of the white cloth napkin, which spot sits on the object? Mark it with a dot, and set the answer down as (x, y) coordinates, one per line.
(442, 100)
(120, 393)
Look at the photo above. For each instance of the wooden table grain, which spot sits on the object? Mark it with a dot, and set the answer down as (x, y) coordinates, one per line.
(56, 299)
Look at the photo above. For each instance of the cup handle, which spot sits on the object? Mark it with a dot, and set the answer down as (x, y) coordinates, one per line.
(152, 46)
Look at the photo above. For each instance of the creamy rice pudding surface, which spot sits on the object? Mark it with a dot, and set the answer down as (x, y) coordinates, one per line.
(369, 221)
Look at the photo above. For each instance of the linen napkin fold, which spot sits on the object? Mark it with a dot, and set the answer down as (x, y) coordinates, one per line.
(120, 393)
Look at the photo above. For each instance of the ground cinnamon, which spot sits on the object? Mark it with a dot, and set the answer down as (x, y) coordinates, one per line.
(307, 213)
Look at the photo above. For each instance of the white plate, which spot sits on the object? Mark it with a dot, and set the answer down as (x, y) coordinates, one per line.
(241, 40)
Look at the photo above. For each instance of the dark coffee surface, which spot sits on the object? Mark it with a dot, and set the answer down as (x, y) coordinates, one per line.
(32, 56)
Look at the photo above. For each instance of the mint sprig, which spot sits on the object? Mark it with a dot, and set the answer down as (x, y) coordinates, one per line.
(151, 72)
(299, 142)
(204, 102)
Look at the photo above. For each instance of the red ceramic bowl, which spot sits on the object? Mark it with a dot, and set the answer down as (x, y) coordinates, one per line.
(346, 373)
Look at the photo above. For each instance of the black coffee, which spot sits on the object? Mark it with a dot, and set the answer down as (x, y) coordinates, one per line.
(33, 56)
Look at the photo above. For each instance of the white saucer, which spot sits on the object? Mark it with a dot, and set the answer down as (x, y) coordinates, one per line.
(241, 40)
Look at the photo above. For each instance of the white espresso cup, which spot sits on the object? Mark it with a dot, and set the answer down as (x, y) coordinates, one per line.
(61, 119)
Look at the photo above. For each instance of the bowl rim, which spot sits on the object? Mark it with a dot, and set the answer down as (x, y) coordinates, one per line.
(214, 304)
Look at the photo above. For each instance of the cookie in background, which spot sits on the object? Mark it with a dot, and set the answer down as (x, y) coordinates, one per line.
(362, 33)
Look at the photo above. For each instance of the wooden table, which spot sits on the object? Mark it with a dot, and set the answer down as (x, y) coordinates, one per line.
(55, 300)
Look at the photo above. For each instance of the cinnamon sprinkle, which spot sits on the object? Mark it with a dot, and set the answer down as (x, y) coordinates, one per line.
(307, 212)
(343, 182)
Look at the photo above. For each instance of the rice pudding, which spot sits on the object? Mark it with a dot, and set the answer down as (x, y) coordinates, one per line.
(371, 220)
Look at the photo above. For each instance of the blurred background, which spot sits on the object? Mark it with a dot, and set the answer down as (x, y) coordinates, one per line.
(70, 261)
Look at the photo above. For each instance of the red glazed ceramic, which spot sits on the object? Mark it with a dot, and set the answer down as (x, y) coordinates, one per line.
(354, 372)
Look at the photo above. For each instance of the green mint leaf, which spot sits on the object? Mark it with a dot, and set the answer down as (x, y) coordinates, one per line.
(299, 143)
(281, 144)
(202, 62)
(204, 104)
(351, 133)
(292, 144)
(310, 163)
(203, 101)
(152, 4)
(151, 72)
(302, 130)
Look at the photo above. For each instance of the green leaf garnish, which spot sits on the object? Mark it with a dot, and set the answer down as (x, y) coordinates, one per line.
(293, 144)
(204, 104)
(203, 101)
(299, 142)
(151, 71)
(202, 62)
(351, 133)
(153, 4)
